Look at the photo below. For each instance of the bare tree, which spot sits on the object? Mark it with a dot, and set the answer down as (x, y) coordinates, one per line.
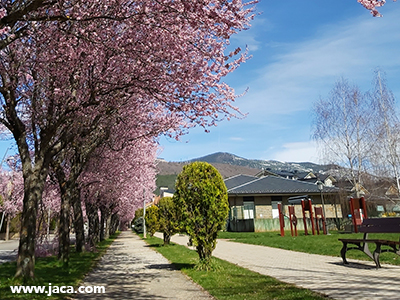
(386, 130)
(342, 129)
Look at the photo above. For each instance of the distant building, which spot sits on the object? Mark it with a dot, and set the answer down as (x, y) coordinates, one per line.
(254, 201)
(165, 192)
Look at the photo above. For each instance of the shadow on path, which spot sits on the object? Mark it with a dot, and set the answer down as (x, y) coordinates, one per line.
(132, 270)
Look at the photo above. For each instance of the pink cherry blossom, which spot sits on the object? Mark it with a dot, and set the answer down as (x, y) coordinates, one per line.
(372, 5)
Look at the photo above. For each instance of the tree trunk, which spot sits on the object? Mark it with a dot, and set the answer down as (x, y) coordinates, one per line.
(107, 227)
(93, 218)
(64, 239)
(167, 238)
(65, 209)
(78, 220)
(96, 227)
(102, 221)
(33, 189)
(200, 252)
(114, 224)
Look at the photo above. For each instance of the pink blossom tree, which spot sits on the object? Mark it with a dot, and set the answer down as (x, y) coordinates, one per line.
(48, 210)
(91, 60)
(37, 114)
(11, 195)
(114, 182)
(66, 168)
(115, 132)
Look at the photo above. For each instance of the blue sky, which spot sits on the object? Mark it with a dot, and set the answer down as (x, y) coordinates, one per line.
(300, 48)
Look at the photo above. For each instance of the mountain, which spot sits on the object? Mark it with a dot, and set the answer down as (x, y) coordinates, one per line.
(167, 172)
(229, 165)
(226, 170)
(272, 165)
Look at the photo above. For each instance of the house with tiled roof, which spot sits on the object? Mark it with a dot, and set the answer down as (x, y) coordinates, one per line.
(328, 180)
(254, 201)
(296, 175)
(238, 180)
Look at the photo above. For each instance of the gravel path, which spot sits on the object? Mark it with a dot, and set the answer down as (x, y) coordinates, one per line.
(132, 270)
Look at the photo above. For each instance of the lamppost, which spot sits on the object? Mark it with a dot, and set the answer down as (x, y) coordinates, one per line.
(320, 185)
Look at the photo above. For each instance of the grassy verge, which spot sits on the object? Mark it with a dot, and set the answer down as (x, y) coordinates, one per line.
(315, 244)
(50, 270)
(230, 281)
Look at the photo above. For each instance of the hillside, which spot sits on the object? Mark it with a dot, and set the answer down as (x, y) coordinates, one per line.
(273, 165)
(230, 165)
(167, 172)
(226, 170)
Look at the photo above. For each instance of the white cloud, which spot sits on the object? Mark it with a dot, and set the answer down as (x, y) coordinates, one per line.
(249, 38)
(304, 71)
(297, 152)
(285, 78)
(236, 139)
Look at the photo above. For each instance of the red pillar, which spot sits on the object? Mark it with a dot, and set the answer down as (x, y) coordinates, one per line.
(293, 220)
(355, 205)
(303, 208)
(311, 216)
(281, 219)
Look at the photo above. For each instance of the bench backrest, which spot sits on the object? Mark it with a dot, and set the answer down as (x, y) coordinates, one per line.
(380, 225)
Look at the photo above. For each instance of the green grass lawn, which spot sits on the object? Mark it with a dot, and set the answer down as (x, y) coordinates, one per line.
(230, 281)
(50, 270)
(315, 244)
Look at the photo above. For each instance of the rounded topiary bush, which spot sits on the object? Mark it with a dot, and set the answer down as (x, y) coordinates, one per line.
(201, 200)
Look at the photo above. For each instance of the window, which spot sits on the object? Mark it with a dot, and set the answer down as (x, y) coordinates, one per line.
(274, 203)
(248, 210)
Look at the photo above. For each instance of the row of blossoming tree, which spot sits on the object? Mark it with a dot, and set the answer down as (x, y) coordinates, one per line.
(86, 88)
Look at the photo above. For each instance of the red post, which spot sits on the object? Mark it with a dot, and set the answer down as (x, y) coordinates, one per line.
(355, 205)
(281, 219)
(293, 220)
(303, 207)
(306, 205)
(319, 212)
(311, 216)
(353, 217)
(364, 207)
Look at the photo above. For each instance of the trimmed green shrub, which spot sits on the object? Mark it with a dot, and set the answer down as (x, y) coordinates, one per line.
(152, 220)
(168, 221)
(201, 200)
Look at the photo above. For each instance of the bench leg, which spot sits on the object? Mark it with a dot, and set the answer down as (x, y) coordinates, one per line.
(366, 250)
(377, 252)
(343, 253)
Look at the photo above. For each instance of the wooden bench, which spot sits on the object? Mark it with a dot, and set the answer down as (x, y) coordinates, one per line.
(379, 225)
